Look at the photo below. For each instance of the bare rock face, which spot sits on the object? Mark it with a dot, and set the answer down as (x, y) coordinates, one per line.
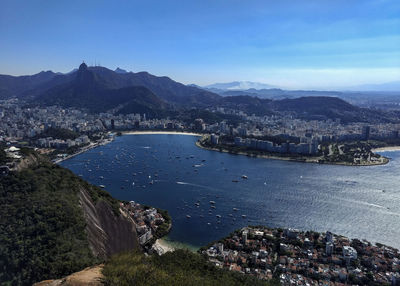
(31, 160)
(108, 234)
(90, 276)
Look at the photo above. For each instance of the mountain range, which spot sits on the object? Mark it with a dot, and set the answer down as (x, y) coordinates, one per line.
(99, 89)
(261, 88)
(387, 86)
(238, 85)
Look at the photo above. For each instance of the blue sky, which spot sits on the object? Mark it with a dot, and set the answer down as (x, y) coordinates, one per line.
(289, 43)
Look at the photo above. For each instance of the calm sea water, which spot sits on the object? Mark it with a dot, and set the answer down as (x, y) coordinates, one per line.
(358, 202)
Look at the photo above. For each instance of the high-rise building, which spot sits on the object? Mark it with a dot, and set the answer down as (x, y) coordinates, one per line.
(366, 132)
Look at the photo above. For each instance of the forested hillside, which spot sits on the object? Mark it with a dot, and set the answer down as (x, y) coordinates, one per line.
(173, 268)
(42, 225)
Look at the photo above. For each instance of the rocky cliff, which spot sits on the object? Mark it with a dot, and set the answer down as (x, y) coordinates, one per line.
(107, 233)
(53, 223)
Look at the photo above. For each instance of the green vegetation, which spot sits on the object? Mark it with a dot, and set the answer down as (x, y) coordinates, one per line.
(58, 133)
(352, 153)
(180, 267)
(42, 227)
(163, 229)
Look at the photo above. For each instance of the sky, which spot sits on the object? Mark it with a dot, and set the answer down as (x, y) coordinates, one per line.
(292, 44)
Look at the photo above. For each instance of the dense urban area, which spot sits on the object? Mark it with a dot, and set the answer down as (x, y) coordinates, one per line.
(64, 131)
(289, 256)
(306, 258)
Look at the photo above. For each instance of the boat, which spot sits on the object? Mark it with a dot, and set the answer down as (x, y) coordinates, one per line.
(218, 216)
(243, 216)
(212, 202)
(188, 216)
(244, 177)
(197, 204)
(102, 186)
(235, 209)
(235, 181)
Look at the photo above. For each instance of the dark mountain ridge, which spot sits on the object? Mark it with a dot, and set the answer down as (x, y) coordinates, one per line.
(309, 108)
(163, 87)
(17, 85)
(100, 89)
(98, 93)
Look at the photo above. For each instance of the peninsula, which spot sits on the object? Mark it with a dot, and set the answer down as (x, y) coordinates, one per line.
(346, 153)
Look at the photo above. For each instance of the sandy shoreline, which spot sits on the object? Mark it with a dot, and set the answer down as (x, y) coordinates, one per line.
(160, 132)
(87, 148)
(161, 246)
(386, 149)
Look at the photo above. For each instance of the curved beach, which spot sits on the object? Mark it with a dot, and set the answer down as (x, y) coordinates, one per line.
(160, 132)
(386, 149)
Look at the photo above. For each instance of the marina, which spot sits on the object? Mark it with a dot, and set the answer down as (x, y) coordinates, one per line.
(206, 205)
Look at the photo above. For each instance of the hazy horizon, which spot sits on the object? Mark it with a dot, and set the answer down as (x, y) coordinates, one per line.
(303, 45)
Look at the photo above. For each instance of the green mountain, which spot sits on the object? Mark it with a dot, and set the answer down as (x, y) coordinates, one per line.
(53, 223)
(100, 89)
(46, 84)
(90, 90)
(173, 268)
(17, 85)
(308, 108)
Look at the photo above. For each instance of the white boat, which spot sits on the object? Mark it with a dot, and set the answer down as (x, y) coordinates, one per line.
(188, 216)
(244, 177)
(102, 186)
